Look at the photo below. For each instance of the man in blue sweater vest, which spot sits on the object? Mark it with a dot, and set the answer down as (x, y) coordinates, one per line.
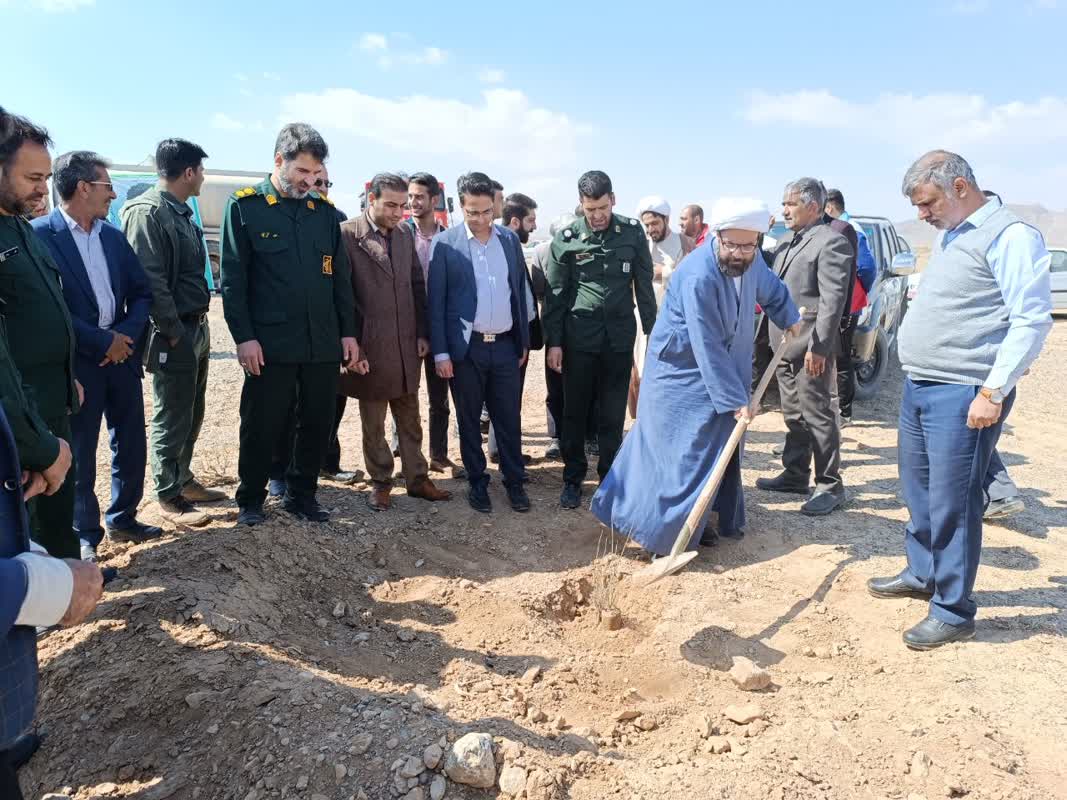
(972, 332)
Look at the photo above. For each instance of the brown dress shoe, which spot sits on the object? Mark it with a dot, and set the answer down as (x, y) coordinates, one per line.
(196, 492)
(378, 499)
(424, 488)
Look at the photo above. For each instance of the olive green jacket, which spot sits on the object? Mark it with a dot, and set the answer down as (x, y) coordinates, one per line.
(286, 280)
(593, 278)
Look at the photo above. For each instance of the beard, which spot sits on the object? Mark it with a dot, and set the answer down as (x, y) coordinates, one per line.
(523, 234)
(735, 268)
(12, 203)
(288, 188)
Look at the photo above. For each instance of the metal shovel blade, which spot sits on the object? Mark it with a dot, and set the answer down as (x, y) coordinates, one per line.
(662, 567)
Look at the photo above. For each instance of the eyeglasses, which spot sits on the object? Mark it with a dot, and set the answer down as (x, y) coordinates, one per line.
(487, 214)
(733, 247)
(110, 188)
(324, 184)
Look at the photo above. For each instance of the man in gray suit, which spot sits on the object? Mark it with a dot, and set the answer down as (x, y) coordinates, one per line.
(816, 266)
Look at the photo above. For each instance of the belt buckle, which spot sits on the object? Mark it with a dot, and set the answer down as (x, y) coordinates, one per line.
(489, 338)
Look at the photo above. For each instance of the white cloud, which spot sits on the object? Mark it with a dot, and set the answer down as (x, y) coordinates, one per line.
(399, 50)
(504, 128)
(491, 76)
(225, 122)
(240, 76)
(943, 120)
(59, 6)
(373, 42)
(272, 76)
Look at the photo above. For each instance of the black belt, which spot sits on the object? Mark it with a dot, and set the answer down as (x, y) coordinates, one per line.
(489, 338)
(199, 317)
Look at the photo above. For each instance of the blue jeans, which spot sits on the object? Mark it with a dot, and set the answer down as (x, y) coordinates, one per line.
(943, 466)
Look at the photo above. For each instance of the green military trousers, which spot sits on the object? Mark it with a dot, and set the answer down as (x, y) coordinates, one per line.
(266, 401)
(179, 387)
(588, 377)
(52, 516)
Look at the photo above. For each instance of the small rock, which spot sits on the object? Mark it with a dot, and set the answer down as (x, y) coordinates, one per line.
(412, 768)
(392, 742)
(360, 744)
(213, 728)
(611, 620)
(302, 782)
(560, 723)
(107, 788)
(319, 797)
(920, 764)
(819, 678)
(955, 789)
(56, 797)
(420, 562)
(322, 622)
(513, 780)
(706, 727)
(432, 755)
(748, 676)
(531, 675)
(415, 794)
(717, 745)
(194, 701)
(743, 715)
(438, 787)
(406, 635)
(339, 609)
(627, 714)
(466, 583)
(339, 772)
(470, 761)
(646, 723)
(536, 715)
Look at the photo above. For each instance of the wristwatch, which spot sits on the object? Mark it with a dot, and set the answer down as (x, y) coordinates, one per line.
(994, 396)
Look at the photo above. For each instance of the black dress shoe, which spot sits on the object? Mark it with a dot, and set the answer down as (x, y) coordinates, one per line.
(520, 501)
(571, 496)
(19, 754)
(136, 533)
(478, 497)
(251, 515)
(822, 503)
(782, 483)
(305, 508)
(931, 633)
(897, 586)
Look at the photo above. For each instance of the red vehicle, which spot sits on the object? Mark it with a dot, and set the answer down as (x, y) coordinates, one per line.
(442, 210)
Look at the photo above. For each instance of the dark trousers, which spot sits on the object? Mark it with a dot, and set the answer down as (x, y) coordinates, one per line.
(178, 400)
(846, 371)
(998, 483)
(601, 379)
(52, 516)
(9, 782)
(112, 393)
(493, 449)
(283, 448)
(265, 403)
(489, 376)
(813, 433)
(943, 465)
(437, 389)
(553, 402)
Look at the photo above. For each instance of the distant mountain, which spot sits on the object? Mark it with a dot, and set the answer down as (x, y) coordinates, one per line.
(1051, 223)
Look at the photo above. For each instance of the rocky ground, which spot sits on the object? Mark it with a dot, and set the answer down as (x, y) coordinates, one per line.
(426, 651)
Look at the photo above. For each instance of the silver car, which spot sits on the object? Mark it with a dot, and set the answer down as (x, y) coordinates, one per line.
(1058, 278)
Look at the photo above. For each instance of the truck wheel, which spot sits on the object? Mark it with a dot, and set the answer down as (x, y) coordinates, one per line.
(869, 373)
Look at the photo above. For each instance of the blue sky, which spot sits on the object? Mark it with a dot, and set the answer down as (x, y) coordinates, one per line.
(688, 102)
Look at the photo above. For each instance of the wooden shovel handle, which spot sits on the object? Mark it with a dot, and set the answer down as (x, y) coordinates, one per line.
(717, 472)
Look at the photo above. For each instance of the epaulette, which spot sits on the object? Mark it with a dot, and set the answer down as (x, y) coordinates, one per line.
(568, 233)
(248, 191)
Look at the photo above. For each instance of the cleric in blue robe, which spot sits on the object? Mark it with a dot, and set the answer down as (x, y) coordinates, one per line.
(696, 384)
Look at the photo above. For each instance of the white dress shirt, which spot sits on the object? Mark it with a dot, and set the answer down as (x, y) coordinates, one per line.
(92, 252)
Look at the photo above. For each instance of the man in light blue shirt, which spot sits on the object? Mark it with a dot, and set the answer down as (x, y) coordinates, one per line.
(971, 333)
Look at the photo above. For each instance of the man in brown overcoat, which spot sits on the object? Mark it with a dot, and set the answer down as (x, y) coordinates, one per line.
(391, 292)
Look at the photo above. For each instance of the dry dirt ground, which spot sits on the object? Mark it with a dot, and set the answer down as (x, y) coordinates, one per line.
(310, 661)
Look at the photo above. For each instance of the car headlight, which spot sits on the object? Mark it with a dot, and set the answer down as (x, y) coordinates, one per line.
(864, 317)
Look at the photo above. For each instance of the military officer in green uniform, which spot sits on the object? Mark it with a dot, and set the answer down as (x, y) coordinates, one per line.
(37, 384)
(597, 266)
(159, 225)
(288, 300)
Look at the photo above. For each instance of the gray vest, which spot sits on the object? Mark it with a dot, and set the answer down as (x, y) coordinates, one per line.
(954, 327)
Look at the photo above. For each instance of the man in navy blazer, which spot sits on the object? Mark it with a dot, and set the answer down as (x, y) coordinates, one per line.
(109, 296)
(480, 335)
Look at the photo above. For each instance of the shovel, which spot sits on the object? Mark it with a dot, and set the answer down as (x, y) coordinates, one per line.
(679, 557)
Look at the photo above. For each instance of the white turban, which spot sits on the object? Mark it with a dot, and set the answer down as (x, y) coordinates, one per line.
(655, 204)
(745, 213)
